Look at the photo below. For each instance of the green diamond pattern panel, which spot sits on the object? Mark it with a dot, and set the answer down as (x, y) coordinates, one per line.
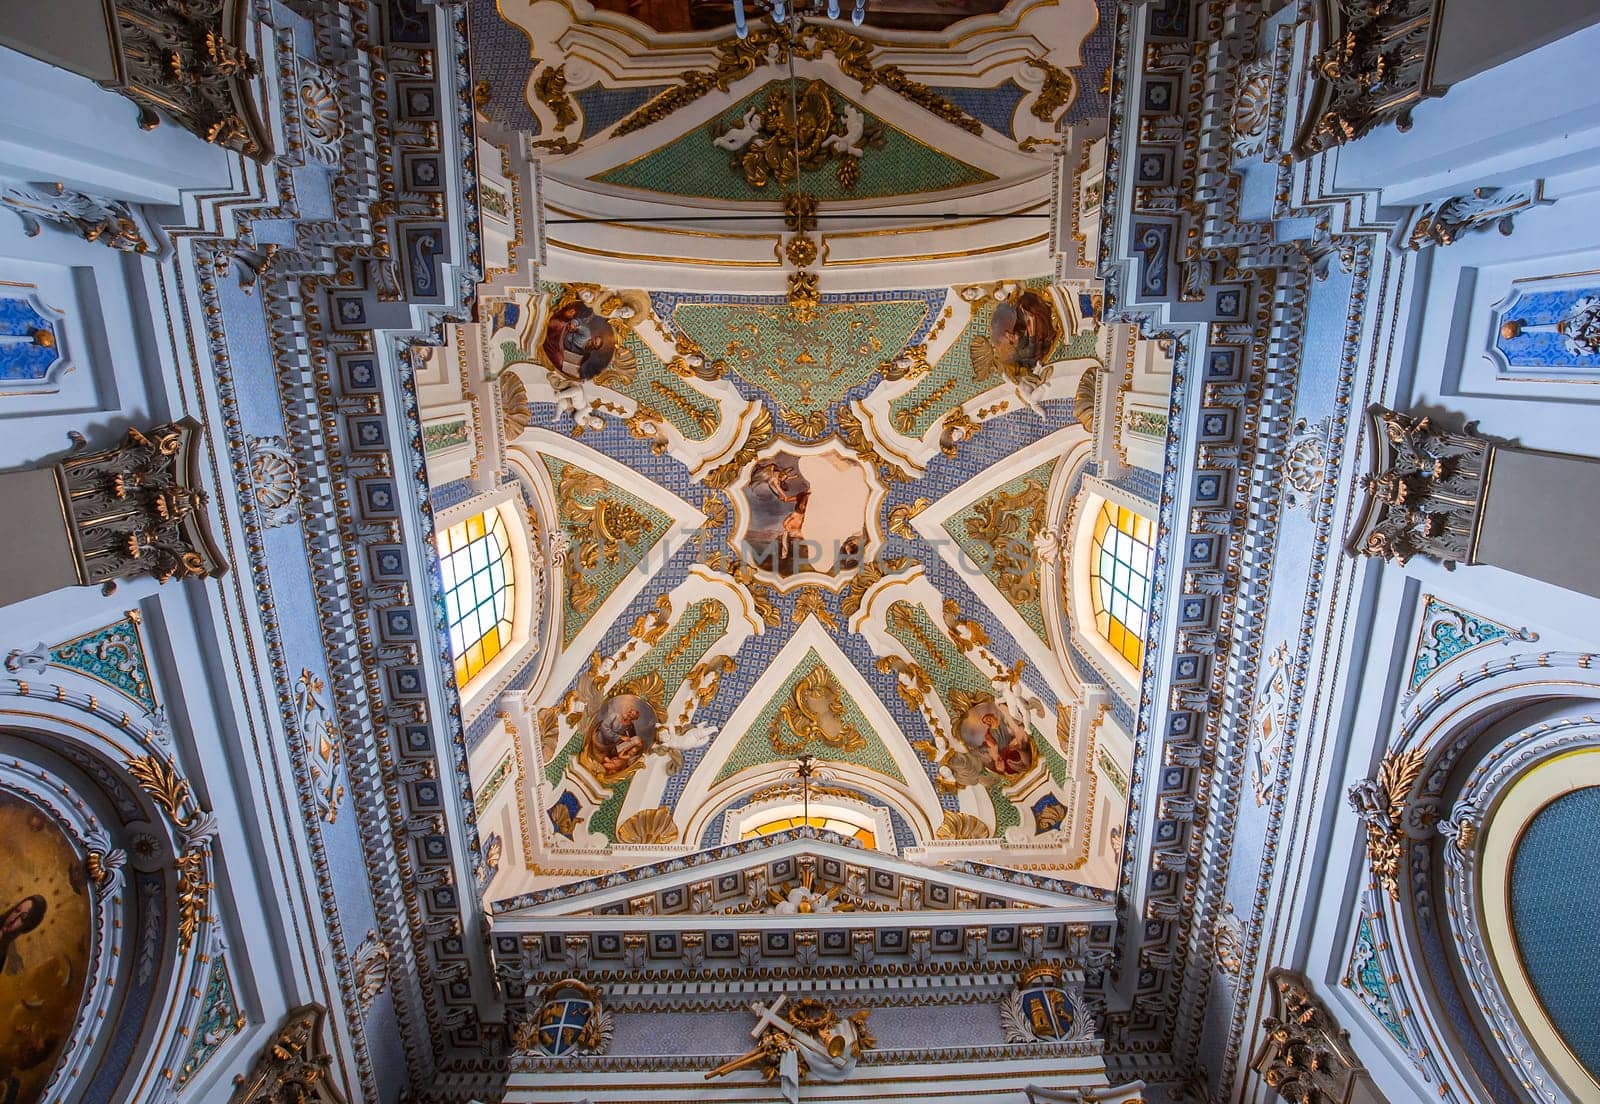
(996, 533)
(806, 366)
(580, 514)
(690, 165)
(755, 746)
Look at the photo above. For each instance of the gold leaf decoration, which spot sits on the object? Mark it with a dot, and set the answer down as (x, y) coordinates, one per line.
(854, 434)
(869, 574)
(160, 780)
(814, 713)
(962, 826)
(900, 518)
(1057, 92)
(648, 826)
(809, 604)
(551, 88)
(761, 434)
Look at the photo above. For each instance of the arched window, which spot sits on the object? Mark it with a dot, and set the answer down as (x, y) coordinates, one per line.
(824, 821)
(479, 590)
(1120, 564)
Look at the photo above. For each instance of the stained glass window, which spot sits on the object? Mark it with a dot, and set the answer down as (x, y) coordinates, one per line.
(479, 588)
(832, 824)
(1120, 565)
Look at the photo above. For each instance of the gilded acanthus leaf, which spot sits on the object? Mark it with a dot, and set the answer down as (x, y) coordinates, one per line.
(901, 515)
(159, 778)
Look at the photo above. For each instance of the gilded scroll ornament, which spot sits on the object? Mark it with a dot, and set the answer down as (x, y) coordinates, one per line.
(194, 827)
(1443, 221)
(1055, 94)
(111, 222)
(814, 713)
(551, 88)
(738, 58)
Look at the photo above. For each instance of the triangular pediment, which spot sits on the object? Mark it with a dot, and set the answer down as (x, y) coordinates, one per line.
(741, 882)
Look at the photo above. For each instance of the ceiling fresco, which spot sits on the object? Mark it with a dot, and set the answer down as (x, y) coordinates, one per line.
(807, 606)
(796, 490)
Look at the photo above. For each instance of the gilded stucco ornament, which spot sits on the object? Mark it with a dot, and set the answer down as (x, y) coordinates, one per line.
(805, 1041)
(1374, 67)
(738, 58)
(294, 1067)
(779, 140)
(1382, 804)
(372, 968)
(136, 509)
(112, 222)
(1056, 93)
(1424, 489)
(814, 713)
(182, 58)
(1306, 1057)
(1443, 221)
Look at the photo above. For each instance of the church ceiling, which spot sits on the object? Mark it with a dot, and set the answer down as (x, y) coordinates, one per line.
(796, 487)
(782, 536)
(927, 98)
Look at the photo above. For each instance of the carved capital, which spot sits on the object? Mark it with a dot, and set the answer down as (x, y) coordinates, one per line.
(186, 59)
(136, 509)
(294, 1067)
(1375, 65)
(1305, 1056)
(1424, 490)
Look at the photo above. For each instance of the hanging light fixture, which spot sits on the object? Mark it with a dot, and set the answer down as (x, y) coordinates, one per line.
(780, 11)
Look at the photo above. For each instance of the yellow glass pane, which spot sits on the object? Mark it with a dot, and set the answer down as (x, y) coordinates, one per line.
(475, 527)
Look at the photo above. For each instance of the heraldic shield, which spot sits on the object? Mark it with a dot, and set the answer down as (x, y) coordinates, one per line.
(568, 1019)
(1044, 1003)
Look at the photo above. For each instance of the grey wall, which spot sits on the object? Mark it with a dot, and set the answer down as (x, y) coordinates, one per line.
(73, 34)
(1475, 35)
(34, 546)
(1541, 518)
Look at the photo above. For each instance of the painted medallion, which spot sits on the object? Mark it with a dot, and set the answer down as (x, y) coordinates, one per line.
(44, 947)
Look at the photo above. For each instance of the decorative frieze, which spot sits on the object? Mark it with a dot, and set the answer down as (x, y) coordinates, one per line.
(1424, 494)
(136, 509)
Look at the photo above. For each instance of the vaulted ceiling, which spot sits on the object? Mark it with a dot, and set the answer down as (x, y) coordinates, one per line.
(793, 397)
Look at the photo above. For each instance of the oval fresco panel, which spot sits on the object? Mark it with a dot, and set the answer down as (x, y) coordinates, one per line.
(44, 947)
